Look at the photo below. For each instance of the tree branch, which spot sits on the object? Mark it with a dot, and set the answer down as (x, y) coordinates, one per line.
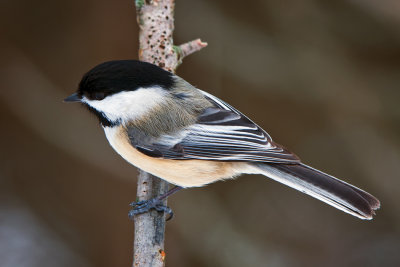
(189, 48)
(156, 25)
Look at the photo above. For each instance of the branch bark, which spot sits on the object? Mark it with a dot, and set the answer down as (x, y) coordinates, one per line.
(156, 25)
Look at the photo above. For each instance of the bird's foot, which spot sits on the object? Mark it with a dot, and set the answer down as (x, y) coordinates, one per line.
(154, 203)
(146, 205)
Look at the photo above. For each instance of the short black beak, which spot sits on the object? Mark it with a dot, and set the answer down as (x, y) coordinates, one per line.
(73, 98)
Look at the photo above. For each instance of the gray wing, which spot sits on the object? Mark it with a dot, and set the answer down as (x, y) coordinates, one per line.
(220, 133)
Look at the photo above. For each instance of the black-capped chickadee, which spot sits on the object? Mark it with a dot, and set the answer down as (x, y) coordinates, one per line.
(165, 126)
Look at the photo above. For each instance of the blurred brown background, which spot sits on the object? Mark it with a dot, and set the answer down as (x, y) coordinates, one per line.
(322, 77)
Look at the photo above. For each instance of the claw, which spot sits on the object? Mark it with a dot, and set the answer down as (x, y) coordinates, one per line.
(146, 205)
(143, 206)
(133, 204)
(166, 210)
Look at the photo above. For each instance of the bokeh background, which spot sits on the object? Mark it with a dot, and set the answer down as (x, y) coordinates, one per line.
(322, 77)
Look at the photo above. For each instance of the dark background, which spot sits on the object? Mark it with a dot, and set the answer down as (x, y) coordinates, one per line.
(322, 77)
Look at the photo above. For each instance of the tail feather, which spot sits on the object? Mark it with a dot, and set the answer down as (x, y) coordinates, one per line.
(324, 187)
(373, 201)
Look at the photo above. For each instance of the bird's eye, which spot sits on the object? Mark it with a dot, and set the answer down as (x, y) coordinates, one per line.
(99, 96)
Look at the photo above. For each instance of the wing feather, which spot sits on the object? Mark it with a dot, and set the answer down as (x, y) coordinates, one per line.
(220, 133)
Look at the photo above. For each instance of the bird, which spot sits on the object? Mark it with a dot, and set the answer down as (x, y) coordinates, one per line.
(167, 127)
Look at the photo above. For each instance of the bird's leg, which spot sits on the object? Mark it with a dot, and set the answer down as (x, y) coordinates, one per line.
(154, 203)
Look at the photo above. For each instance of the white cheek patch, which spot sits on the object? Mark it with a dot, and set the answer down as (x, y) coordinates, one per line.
(129, 105)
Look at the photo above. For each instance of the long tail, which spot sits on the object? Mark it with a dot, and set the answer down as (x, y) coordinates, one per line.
(324, 187)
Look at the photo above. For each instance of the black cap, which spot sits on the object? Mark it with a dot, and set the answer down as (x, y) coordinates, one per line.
(122, 75)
